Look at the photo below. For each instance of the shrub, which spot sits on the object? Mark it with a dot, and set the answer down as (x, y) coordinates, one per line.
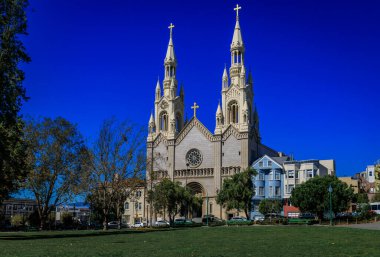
(17, 220)
(239, 222)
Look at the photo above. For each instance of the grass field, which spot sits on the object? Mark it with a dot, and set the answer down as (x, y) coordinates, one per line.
(218, 241)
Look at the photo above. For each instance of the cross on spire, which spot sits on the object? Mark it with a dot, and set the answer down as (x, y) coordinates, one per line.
(195, 107)
(237, 11)
(171, 28)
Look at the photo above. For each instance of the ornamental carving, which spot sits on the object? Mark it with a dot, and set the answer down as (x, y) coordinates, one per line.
(194, 158)
(164, 105)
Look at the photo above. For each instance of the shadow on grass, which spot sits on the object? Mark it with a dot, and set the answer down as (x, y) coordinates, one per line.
(65, 234)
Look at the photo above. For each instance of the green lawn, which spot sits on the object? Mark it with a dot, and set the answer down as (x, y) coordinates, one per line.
(218, 241)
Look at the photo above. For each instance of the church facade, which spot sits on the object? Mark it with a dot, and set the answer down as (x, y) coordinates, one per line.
(189, 152)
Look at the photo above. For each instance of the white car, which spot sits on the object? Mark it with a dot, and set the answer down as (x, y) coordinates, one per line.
(138, 225)
(161, 223)
(259, 218)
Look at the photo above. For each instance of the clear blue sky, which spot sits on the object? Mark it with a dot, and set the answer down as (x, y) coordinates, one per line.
(315, 66)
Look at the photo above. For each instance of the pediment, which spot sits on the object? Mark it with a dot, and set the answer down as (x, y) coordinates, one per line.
(233, 92)
(231, 130)
(194, 122)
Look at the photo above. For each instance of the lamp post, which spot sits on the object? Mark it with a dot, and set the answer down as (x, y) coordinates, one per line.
(330, 191)
(187, 171)
(207, 209)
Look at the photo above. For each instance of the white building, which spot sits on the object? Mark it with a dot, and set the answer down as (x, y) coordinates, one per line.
(190, 153)
(298, 172)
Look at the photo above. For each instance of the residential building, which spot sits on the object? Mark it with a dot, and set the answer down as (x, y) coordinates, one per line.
(298, 172)
(269, 180)
(135, 208)
(351, 182)
(79, 211)
(15, 206)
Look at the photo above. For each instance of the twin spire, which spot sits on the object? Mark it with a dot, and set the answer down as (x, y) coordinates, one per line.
(237, 40)
(170, 56)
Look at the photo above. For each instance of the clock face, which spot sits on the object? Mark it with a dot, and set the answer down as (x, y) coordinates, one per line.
(194, 158)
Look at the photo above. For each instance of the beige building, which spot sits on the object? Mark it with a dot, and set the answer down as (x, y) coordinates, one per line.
(351, 182)
(134, 207)
(298, 172)
(190, 153)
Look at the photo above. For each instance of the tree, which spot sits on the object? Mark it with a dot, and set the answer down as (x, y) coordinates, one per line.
(171, 198)
(58, 159)
(237, 191)
(313, 196)
(118, 161)
(13, 166)
(268, 206)
(360, 198)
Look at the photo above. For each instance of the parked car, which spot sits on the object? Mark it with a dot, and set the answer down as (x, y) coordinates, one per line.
(307, 216)
(138, 225)
(181, 221)
(259, 217)
(210, 218)
(161, 223)
(114, 224)
(238, 218)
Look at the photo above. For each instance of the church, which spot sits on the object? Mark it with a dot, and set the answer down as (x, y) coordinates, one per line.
(187, 151)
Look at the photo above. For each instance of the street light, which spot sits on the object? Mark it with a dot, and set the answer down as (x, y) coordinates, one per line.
(187, 171)
(330, 191)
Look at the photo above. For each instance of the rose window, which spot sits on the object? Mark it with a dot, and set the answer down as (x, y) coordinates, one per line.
(194, 158)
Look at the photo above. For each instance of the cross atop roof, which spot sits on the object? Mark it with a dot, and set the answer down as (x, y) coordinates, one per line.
(237, 8)
(171, 28)
(195, 107)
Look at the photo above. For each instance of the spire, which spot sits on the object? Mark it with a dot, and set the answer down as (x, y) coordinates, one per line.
(225, 76)
(151, 125)
(151, 119)
(225, 79)
(242, 72)
(219, 110)
(170, 56)
(237, 40)
(158, 90)
(158, 86)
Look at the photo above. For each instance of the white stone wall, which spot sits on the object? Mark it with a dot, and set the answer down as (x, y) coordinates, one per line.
(160, 154)
(194, 139)
(231, 149)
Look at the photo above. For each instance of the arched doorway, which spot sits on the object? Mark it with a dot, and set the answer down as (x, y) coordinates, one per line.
(195, 210)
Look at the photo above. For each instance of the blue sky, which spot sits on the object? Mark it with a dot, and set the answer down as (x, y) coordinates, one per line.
(315, 66)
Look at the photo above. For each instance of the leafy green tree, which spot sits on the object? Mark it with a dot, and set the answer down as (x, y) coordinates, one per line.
(58, 159)
(171, 198)
(168, 197)
(313, 196)
(360, 198)
(237, 191)
(267, 206)
(13, 165)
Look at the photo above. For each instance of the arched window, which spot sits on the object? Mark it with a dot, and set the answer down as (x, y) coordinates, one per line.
(164, 121)
(233, 112)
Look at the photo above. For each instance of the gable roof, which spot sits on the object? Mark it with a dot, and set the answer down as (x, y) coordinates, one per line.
(270, 158)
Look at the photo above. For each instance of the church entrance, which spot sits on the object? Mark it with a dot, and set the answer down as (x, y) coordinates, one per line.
(195, 210)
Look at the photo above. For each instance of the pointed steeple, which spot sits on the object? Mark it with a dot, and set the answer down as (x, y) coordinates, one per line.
(152, 124)
(237, 39)
(225, 79)
(151, 119)
(170, 56)
(219, 110)
(158, 90)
